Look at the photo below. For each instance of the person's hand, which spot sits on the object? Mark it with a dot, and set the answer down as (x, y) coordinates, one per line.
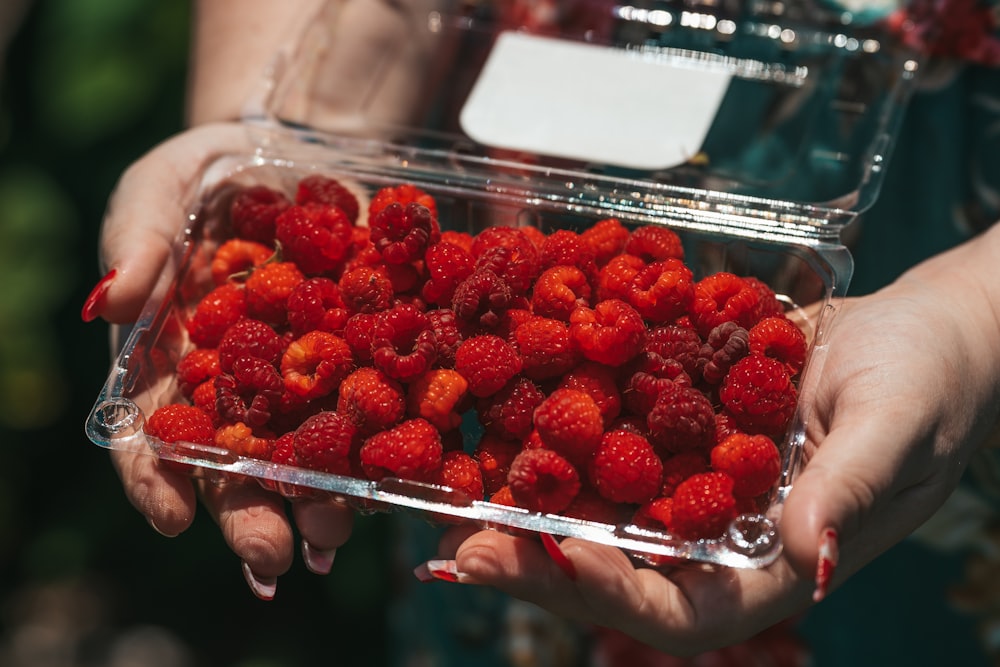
(145, 214)
(910, 386)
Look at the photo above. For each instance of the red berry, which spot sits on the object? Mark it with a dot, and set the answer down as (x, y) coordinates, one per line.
(599, 382)
(724, 346)
(215, 312)
(461, 472)
(196, 367)
(570, 422)
(438, 396)
(653, 243)
(359, 332)
(614, 280)
(249, 338)
(662, 291)
(509, 412)
(319, 189)
(673, 341)
(678, 467)
(365, 290)
(446, 335)
(250, 393)
(778, 337)
(403, 343)
(564, 247)
(495, 454)
(315, 237)
(588, 505)
(410, 450)
(655, 514)
(268, 289)
(626, 469)
(403, 233)
(723, 297)
(178, 422)
(447, 266)
(682, 419)
(481, 299)
(371, 399)
(703, 506)
(759, 394)
(517, 266)
(545, 346)
(753, 461)
(314, 364)
(237, 256)
(315, 304)
(611, 333)
(487, 362)
(541, 480)
(606, 238)
(403, 194)
(253, 211)
(558, 291)
(325, 442)
(239, 439)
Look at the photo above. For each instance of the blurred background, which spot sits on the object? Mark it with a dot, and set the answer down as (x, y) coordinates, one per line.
(87, 87)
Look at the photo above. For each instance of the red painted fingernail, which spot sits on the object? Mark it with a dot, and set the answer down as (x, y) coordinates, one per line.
(94, 304)
(829, 554)
(553, 549)
(439, 570)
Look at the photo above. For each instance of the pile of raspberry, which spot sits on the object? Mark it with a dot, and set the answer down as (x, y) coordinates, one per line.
(610, 384)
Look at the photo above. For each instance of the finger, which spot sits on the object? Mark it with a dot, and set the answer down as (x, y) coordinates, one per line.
(324, 525)
(167, 499)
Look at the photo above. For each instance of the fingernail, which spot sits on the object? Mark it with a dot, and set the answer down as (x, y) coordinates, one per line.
(829, 554)
(153, 525)
(439, 570)
(264, 588)
(553, 549)
(317, 561)
(94, 304)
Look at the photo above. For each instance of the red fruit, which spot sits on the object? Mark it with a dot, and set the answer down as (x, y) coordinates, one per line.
(606, 239)
(503, 496)
(239, 439)
(314, 364)
(781, 339)
(481, 299)
(410, 450)
(250, 393)
(558, 291)
(315, 304)
(654, 244)
(614, 280)
(546, 349)
(216, 311)
(725, 426)
(682, 419)
(642, 387)
(403, 233)
(570, 422)
(403, 344)
(678, 467)
(438, 396)
(672, 341)
(724, 297)
(724, 346)
(517, 266)
(655, 514)
(238, 256)
(371, 399)
(319, 189)
(600, 383)
(662, 291)
(753, 461)
(359, 332)
(461, 472)
(509, 412)
(446, 335)
(588, 505)
(770, 305)
(564, 247)
(487, 362)
(203, 398)
(249, 338)
(540, 480)
(495, 454)
(611, 333)
(178, 422)
(400, 194)
(268, 288)
(253, 212)
(626, 469)
(316, 238)
(365, 290)
(325, 442)
(196, 367)
(759, 394)
(447, 266)
(501, 236)
(703, 506)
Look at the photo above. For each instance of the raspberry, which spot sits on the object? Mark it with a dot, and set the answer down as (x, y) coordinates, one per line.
(703, 505)
(215, 312)
(325, 442)
(359, 332)
(599, 382)
(410, 450)
(545, 347)
(753, 461)
(626, 469)
(318, 189)
(178, 422)
(403, 344)
(759, 394)
(253, 211)
(495, 454)
(682, 419)
(403, 194)
(315, 305)
(365, 290)
(481, 298)
(643, 387)
(371, 399)
(195, 368)
(239, 439)
(606, 239)
(444, 324)
(781, 339)
(724, 346)
(203, 398)
(564, 247)
(518, 267)
(678, 467)
(614, 280)
(654, 244)
(439, 396)
(447, 266)
(315, 237)
(461, 472)
(314, 364)
(237, 256)
(558, 291)
(770, 305)
(570, 422)
(268, 288)
(501, 236)
(250, 394)
(662, 291)
(725, 426)
(402, 234)
(503, 496)
(540, 480)
(487, 362)
(588, 505)
(249, 338)
(611, 333)
(655, 514)
(723, 297)
(672, 341)
(461, 239)
(510, 411)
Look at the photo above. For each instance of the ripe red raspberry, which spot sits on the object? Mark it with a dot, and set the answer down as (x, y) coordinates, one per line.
(315, 305)
(606, 239)
(440, 397)
(655, 514)
(759, 394)
(326, 190)
(509, 412)
(250, 393)
(371, 399)
(447, 335)
(196, 367)
(249, 338)
(462, 239)
(770, 305)
(315, 237)
(365, 290)
(672, 341)
(314, 364)
(410, 450)
(703, 506)
(503, 496)
(403, 194)
(517, 267)
(238, 256)
(359, 332)
(487, 362)
(589, 505)
(461, 472)
(447, 265)
(403, 343)
(268, 288)
(626, 469)
(723, 297)
(239, 439)
(253, 211)
(495, 454)
(481, 299)
(570, 422)
(778, 337)
(558, 291)
(203, 398)
(540, 480)
(614, 280)
(546, 349)
(600, 383)
(611, 333)
(725, 426)
(724, 346)
(753, 461)
(662, 291)
(215, 312)
(678, 467)
(653, 243)
(178, 422)
(325, 442)
(403, 233)
(502, 236)
(643, 387)
(682, 419)
(564, 247)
